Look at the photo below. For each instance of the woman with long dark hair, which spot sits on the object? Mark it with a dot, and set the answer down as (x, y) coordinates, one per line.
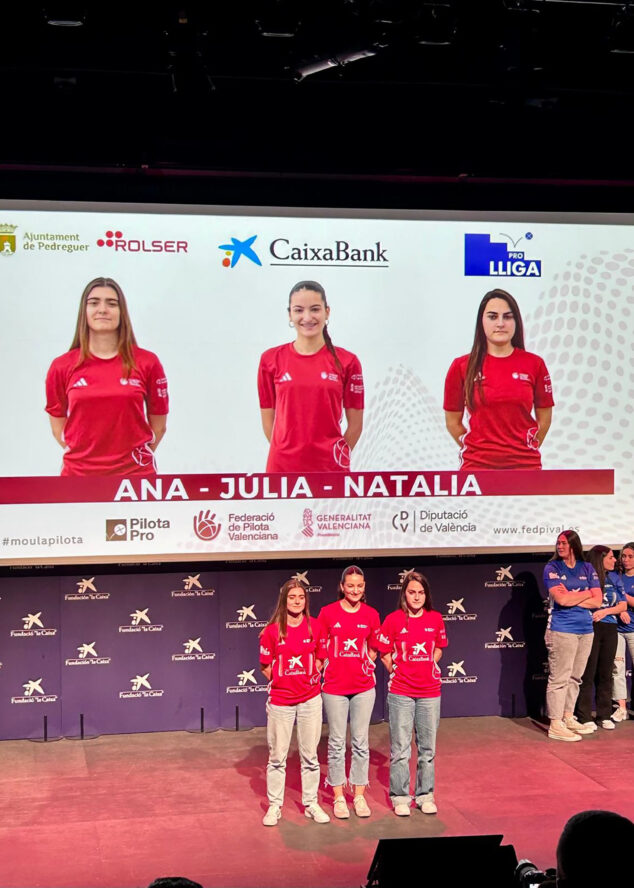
(289, 660)
(597, 676)
(498, 399)
(411, 641)
(106, 397)
(348, 627)
(304, 388)
(574, 591)
(625, 627)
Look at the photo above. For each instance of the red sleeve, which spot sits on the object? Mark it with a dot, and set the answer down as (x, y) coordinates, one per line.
(454, 388)
(375, 626)
(382, 640)
(56, 400)
(441, 634)
(266, 383)
(267, 645)
(156, 387)
(353, 385)
(543, 387)
(324, 628)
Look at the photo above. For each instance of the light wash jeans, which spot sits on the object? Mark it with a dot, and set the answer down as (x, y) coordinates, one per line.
(279, 729)
(422, 715)
(567, 657)
(359, 707)
(619, 680)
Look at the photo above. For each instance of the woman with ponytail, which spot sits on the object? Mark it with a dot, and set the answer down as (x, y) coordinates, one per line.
(304, 388)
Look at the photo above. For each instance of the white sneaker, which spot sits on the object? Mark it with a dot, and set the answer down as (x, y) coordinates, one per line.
(428, 805)
(608, 724)
(314, 812)
(573, 724)
(619, 715)
(272, 815)
(340, 809)
(559, 731)
(402, 810)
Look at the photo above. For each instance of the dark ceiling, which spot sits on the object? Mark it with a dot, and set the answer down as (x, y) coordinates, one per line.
(363, 90)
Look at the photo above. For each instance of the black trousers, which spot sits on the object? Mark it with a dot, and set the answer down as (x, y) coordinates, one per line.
(598, 674)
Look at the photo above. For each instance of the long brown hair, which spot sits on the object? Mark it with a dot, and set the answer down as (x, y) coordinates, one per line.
(479, 347)
(317, 288)
(574, 541)
(595, 556)
(280, 614)
(127, 340)
(420, 578)
(353, 570)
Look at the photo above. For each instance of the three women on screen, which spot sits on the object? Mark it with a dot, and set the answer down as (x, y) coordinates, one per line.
(498, 399)
(304, 388)
(106, 397)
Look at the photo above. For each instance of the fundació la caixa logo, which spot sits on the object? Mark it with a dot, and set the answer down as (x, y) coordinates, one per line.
(114, 239)
(205, 525)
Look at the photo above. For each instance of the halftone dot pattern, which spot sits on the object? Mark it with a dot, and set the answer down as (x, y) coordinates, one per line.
(109, 238)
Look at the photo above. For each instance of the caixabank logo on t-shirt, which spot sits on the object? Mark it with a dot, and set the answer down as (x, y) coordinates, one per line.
(457, 674)
(502, 257)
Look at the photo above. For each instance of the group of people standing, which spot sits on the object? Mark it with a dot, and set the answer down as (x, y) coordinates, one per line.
(331, 660)
(591, 606)
(107, 397)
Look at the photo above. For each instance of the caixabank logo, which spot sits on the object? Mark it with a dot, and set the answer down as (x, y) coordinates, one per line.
(88, 655)
(192, 588)
(396, 587)
(33, 627)
(504, 579)
(247, 619)
(503, 257)
(86, 591)
(114, 239)
(284, 251)
(457, 612)
(34, 692)
(193, 652)
(504, 639)
(140, 622)
(457, 674)
(247, 683)
(141, 688)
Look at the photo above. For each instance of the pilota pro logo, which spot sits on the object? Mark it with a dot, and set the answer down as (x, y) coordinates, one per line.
(115, 240)
(7, 239)
(238, 249)
(484, 257)
(119, 530)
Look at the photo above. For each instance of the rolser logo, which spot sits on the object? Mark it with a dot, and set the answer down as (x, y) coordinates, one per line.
(237, 249)
(503, 579)
(140, 622)
(86, 591)
(141, 688)
(34, 693)
(114, 239)
(193, 588)
(302, 577)
(500, 258)
(7, 239)
(120, 530)
(247, 619)
(247, 683)
(193, 651)
(88, 656)
(206, 527)
(33, 627)
(457, 674)
(457, 613)
(504, 639)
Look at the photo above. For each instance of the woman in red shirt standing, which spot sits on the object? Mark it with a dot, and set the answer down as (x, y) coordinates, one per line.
(348, 627)
(411, 641)
(498, 399)
(288, 659)
(305, 386)
(106, 397)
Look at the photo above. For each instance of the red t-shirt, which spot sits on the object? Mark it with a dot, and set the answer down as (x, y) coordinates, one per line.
(308, 394)
(501, 429)
(348, 667)
(412, 642)
(294, 678)
(106, 431)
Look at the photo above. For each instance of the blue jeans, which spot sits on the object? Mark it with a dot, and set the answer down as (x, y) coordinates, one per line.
(421, 714)
(359, 707)
(279, 728)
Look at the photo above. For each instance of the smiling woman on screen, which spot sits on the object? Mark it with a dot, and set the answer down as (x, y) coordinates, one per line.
(106, 397)
(304, 388)
(498, 399)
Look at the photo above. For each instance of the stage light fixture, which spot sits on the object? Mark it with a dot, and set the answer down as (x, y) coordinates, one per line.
(335, 61)
(65, 15)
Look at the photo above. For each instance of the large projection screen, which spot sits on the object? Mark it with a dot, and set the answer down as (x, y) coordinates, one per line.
(207, 291)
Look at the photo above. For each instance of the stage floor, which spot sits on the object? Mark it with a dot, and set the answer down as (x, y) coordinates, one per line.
(122, 810)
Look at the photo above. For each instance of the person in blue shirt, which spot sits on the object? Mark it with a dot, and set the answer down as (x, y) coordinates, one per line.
(597, 676)
(625, 627)
(573, 592)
